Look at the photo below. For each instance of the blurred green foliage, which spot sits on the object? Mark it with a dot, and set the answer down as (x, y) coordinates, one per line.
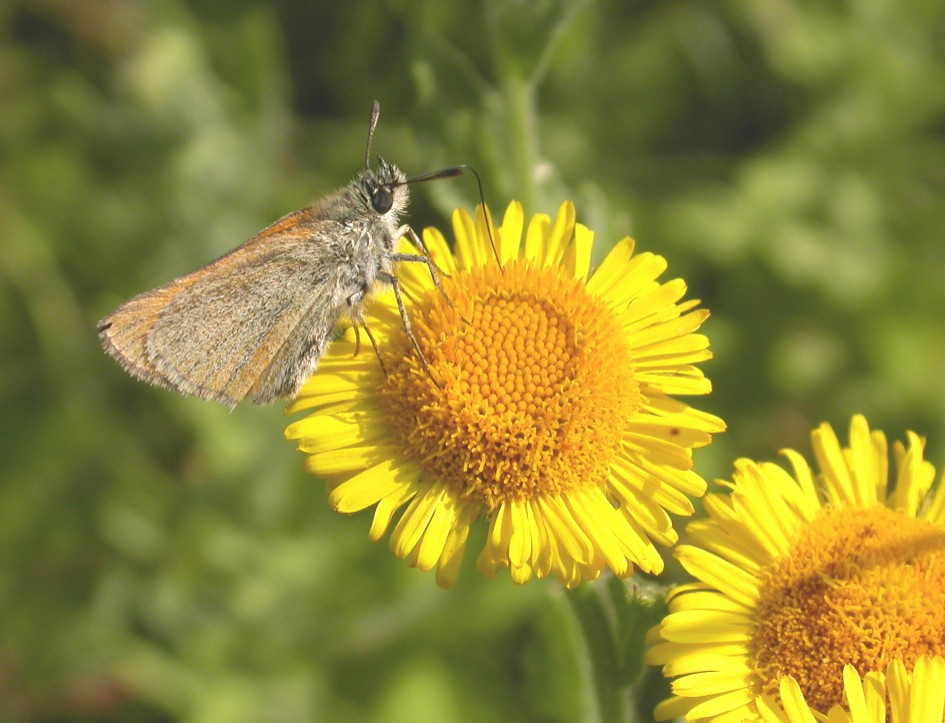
(163, 560)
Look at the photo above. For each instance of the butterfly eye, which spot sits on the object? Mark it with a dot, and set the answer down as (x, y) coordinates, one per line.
(382, 199)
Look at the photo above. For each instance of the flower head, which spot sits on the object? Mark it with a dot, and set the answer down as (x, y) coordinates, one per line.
(800, 575)
(905, 696)
(541, 402)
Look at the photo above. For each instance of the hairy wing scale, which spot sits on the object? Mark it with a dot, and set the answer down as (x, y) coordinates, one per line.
(219, 340)
(217, 332)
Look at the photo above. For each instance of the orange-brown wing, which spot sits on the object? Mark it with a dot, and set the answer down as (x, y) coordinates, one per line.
(216, 332)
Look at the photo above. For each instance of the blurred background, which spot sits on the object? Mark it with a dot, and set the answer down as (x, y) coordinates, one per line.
(164, 560)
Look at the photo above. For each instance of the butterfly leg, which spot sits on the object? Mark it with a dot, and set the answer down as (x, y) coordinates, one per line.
(358, 323)
(398, 295)
(377, 352)
(423, 257)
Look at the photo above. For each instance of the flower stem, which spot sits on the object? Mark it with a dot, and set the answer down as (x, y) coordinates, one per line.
(519, 101)
(600, 641)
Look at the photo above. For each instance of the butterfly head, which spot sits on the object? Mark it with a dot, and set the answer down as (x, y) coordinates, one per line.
(384, 191)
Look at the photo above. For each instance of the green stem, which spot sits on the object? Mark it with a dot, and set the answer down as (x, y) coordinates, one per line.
(600, 642)
(522, 123)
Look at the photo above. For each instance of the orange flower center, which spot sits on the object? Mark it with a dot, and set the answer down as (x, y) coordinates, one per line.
(858, 586)
(529, 387)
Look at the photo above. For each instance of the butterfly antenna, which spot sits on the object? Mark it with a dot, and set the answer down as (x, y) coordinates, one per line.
(486, 216)
(453, 172)
(372, 124)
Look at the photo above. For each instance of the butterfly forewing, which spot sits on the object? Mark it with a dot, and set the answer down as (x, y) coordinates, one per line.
(197, 335)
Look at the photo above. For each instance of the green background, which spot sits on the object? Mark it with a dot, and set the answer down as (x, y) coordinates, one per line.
(164, 560)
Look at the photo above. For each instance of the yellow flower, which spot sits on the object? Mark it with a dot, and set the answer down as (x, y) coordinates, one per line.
(916, 697)
(800, 576)
(541, 403)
